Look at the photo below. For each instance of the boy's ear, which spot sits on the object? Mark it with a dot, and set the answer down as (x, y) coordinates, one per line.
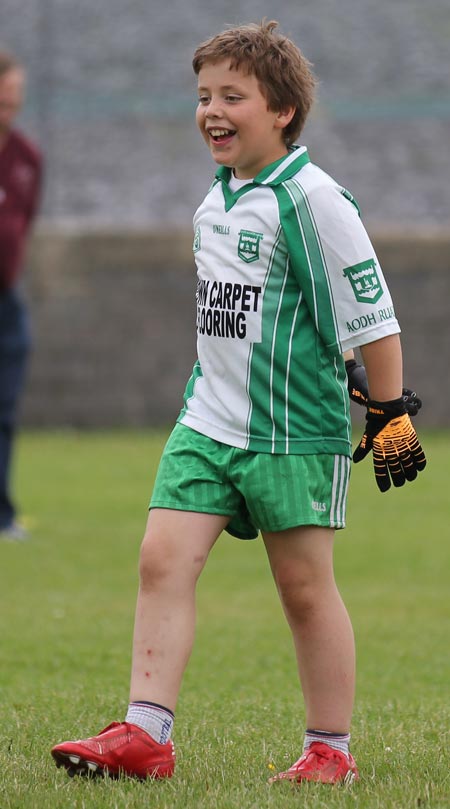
(284, 117)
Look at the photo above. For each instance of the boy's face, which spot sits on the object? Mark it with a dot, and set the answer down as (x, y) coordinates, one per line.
(235, 121)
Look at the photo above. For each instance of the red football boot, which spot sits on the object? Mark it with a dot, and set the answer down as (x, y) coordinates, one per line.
(321, 763)
(120, 749)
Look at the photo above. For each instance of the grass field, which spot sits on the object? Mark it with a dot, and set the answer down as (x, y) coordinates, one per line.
(67, 603)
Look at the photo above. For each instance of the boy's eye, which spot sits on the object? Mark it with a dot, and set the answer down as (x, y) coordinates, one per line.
(204, 100)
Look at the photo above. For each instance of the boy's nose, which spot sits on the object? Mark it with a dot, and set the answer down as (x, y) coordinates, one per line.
(214, 109)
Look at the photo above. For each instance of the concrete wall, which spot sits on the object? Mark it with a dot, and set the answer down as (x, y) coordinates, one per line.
(111, 100)
(114, 323)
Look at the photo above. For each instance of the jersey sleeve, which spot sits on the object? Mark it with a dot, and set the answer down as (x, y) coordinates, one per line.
(336, 266)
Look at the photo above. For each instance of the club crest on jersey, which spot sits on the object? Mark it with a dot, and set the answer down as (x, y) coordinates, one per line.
(365, 282)
(248, 245)
(197, 240)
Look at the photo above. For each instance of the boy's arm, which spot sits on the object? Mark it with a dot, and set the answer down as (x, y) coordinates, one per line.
(384, 368)
(358, 388)
(389, 433)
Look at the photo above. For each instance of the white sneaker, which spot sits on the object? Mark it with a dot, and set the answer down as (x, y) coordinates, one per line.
(14, 533)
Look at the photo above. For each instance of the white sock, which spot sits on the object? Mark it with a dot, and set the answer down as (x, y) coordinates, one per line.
(156, 720)
(338, 741)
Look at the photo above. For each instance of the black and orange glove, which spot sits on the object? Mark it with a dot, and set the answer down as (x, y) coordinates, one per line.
(390, 435)
(358, 388)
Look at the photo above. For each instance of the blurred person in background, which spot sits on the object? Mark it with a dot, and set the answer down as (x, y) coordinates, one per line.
(20, 190)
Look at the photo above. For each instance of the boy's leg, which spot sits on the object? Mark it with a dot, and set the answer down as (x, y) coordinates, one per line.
(301, 560)
(173, 553)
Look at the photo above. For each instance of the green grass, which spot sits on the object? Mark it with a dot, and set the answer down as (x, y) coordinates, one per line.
(66, 615)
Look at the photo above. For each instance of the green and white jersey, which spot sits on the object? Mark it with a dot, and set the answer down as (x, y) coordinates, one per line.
(287, 280)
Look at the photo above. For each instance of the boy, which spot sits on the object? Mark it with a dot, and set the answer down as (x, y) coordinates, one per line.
(287, 281)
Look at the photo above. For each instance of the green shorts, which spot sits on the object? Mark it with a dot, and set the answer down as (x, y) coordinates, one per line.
(259, 491)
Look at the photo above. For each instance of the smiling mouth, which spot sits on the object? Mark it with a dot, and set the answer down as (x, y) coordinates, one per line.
(221, 135)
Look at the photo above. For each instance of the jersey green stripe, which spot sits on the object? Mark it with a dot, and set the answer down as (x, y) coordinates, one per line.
(326, 310)
(189, 390)
(288, 392)
(323, 263)
(286, 363)
(247, 388)
(278, 371)
(261, 372)
(308, 260)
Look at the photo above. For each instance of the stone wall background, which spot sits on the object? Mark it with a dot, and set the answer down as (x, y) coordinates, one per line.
(112, 97)
(111, 100)
(114, 322)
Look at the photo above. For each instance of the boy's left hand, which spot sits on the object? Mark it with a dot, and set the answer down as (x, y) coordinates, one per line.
(358, 388)
(389, 433)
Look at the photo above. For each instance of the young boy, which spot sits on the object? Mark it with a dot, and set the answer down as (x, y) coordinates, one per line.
(287, 281)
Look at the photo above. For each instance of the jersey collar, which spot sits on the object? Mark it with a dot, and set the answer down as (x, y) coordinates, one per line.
(271, 175)
(274, 173)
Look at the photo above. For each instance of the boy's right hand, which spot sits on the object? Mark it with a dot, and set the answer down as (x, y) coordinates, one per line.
(389, 433)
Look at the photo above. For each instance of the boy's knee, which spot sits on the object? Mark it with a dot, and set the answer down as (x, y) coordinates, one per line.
(155, 564)
(163, 560)
(298, 588)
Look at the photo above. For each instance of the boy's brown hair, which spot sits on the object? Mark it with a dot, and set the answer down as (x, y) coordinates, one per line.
(284, 74)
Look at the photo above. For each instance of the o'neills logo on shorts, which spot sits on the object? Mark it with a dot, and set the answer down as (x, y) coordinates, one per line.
(365, 282)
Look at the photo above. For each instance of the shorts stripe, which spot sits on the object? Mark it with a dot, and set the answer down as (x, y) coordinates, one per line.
(341, 478)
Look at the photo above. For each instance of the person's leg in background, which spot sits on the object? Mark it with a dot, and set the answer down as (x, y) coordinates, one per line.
(14, 350)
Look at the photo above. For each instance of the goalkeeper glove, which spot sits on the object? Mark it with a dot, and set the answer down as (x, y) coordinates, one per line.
(390, 435)
(359, 391)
